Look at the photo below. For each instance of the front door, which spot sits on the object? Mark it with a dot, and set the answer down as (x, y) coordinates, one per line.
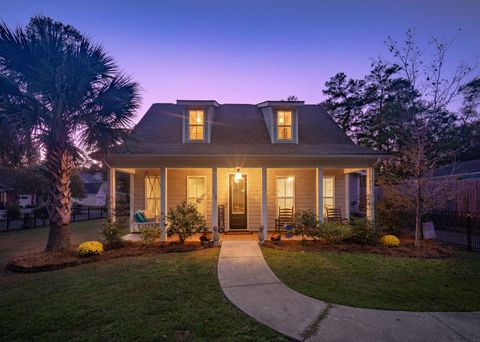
(238, 202)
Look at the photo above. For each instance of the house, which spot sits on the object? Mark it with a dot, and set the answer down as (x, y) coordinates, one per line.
(240, 163)
(460, 170)
(9, 195)
(95, 190)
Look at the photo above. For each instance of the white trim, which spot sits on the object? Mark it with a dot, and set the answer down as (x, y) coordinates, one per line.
(276, 193)
(228, 199)
(205, 187)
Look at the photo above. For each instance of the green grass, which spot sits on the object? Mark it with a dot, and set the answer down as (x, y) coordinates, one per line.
(375, 281)
(172, 296)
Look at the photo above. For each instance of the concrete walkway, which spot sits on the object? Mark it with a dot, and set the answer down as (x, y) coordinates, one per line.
(249, 284)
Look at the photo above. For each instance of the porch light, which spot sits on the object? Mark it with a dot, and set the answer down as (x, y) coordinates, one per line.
(290, 179)
(238, 175)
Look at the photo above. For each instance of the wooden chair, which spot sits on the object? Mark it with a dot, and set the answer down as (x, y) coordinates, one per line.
(285, 217)
(335, 215)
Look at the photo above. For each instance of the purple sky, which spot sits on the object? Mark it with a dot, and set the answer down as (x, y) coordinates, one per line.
(251, 51)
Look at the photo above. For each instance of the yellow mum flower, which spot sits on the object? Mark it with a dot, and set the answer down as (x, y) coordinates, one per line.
(390, 241)
(90, 248)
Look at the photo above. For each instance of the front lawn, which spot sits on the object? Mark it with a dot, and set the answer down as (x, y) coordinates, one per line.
(173, 296)
(383, 282)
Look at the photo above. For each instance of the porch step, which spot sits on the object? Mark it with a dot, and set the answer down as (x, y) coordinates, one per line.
(238, 232)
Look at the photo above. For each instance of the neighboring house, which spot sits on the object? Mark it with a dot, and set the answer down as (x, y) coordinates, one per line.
(240, 163)
(7, 196)
(460, 170)
(95, 190)
(466, 176)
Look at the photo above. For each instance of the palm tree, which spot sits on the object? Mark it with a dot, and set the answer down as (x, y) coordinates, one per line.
(65, 96)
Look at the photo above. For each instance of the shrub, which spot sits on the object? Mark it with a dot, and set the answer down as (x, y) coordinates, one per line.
(364, 231)
(41, 213)
(333, 232)
(112, 232)
(90, 248)
(13, 212)
(303, 222)
(185, 220)
(150, 232)
(390, 241)
(27, 221)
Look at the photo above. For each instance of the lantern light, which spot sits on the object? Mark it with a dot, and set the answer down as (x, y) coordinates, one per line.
(238, 175)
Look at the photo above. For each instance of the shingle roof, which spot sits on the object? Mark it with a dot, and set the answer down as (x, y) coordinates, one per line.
(92, 188)
(459, 168)
(89, 178)
(239, 129)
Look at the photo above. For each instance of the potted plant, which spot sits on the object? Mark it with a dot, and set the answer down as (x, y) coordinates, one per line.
(204, 239)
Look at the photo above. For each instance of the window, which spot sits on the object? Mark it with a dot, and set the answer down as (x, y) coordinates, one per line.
(196, 193)
(152, 193)
(328, 193)
(285, 192)
(196, 125)
(284, 125)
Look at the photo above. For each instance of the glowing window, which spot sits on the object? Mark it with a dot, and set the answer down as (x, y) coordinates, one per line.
(196, 193)
(286, 192)
(196, 125)
(328, 193)
(284, 125)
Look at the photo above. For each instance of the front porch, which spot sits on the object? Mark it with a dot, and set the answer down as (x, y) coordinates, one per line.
(245, 198)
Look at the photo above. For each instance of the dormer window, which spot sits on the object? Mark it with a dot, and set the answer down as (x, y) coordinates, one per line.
(196, 125)
(284, 125)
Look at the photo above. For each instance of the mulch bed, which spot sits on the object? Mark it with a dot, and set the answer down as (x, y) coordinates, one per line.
(428, 248)
(49, 261)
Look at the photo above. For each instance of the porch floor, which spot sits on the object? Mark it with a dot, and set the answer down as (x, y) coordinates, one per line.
(247, 236)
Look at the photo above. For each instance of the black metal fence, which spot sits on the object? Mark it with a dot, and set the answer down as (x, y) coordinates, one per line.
(29, 220)
(458, 227)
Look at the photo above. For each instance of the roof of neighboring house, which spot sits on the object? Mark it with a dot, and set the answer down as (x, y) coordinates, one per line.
(4, 188)
(89, 178)
(239, 129)
(92, 188)
(459, 168)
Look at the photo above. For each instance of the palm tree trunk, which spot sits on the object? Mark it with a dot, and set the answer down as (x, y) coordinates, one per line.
(59, 209)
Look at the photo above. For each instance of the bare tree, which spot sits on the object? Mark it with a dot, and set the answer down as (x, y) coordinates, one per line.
(429, 122)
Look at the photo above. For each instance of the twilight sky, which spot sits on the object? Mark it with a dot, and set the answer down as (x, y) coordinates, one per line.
(249, 51)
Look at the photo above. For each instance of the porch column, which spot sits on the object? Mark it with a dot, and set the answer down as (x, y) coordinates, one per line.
(370, 191)
(264, 200)
(112, 198)
(132, 196)
(214, 198)
(163, 203)
(347, 195)
(319, 192)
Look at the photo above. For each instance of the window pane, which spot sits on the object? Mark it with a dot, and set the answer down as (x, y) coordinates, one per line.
(289, 187)
(196, 117)
(281, 187)
(288, 118)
